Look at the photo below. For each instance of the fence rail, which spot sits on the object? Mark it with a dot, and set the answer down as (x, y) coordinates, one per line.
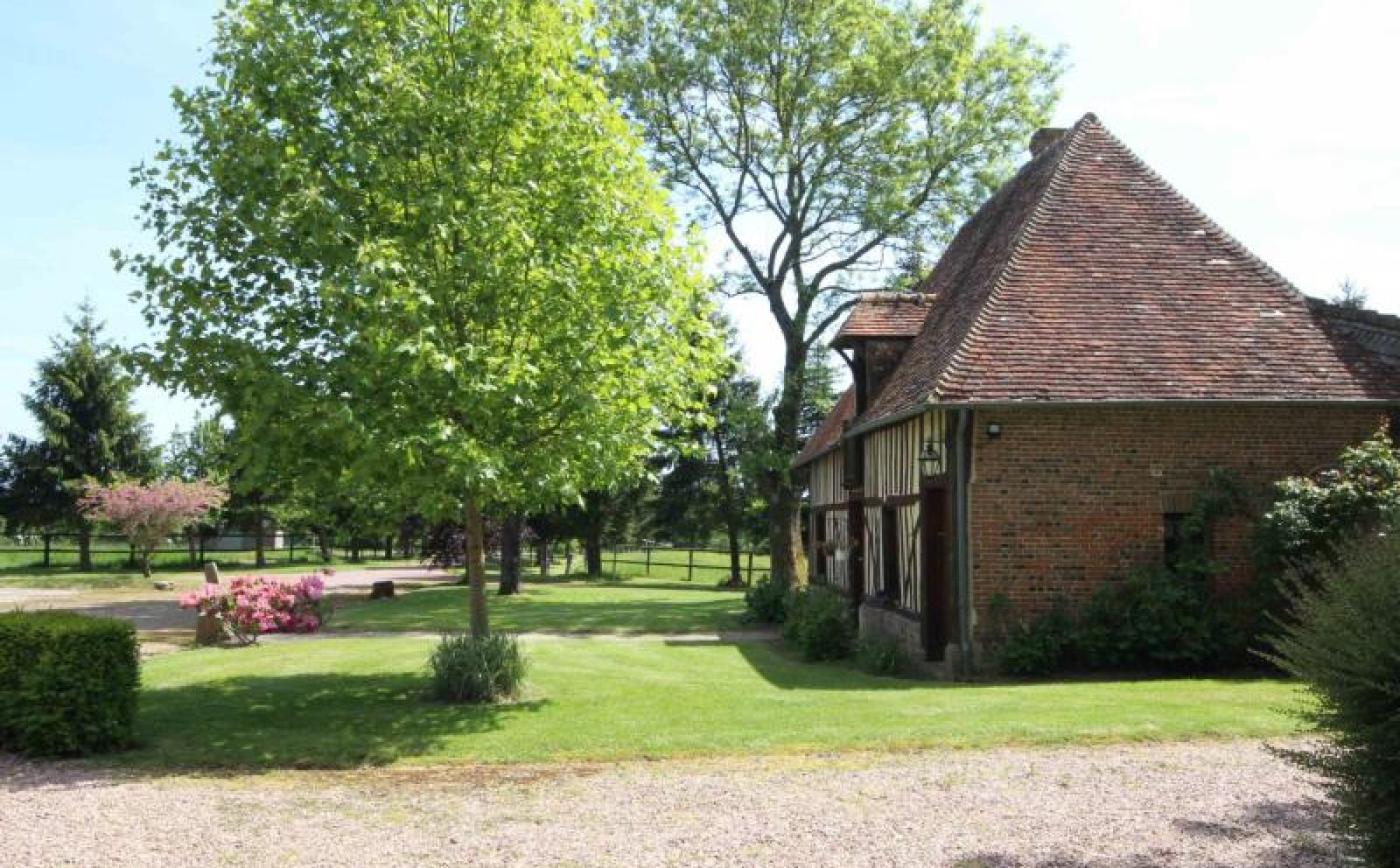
(62, 549)
(632, 558)
(713, 560)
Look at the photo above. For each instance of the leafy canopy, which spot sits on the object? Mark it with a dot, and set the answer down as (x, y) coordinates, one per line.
(81, 401)
(420, 239)
(830, 140)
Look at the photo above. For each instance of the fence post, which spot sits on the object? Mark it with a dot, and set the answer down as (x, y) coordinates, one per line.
(47, 538)
(689, 564)
(750, 579)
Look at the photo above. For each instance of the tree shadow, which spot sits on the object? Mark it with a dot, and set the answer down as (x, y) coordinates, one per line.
(1296, 832)
(308, 721)
(438, 609)
(785, 669)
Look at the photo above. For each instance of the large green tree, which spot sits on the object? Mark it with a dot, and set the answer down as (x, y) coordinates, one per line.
(81, 400)
(829, 140)
(419, 237)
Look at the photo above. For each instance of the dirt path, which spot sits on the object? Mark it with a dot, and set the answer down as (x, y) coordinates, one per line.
(1197, 804)
(159, 611)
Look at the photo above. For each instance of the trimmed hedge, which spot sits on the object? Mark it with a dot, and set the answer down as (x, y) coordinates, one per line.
(67, 683)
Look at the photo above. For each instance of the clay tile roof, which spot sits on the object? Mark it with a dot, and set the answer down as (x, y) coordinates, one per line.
(884, 315)
(1374, 333)
(1086, 277)
(828, 434)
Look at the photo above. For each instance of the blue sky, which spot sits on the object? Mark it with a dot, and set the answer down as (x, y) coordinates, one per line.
(1275, 117)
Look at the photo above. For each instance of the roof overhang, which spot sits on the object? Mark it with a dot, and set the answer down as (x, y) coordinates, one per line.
(1112, 403)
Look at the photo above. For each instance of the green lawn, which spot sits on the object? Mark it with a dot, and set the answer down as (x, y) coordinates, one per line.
(558, 605)
(334, 703)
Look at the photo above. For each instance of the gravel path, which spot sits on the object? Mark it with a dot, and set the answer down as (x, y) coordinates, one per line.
(1197, 804)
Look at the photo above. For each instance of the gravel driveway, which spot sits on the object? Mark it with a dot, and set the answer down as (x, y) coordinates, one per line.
(1197, 804)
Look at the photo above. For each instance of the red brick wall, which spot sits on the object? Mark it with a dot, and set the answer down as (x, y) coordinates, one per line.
(1069, 498)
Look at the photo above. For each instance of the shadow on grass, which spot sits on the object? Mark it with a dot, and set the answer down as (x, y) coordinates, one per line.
(434, 609)
(784, 668)
(1294, 834)
(309, 721)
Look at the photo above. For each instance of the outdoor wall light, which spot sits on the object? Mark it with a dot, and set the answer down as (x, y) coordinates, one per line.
(994, 430)
(930, 459)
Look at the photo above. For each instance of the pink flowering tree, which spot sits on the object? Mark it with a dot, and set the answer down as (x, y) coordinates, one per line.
(149, 514)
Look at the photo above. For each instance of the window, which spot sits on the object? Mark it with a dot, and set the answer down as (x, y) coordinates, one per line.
(889, 553)
(821, 546)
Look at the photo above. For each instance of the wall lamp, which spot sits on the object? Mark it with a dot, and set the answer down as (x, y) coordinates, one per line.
(930, 459)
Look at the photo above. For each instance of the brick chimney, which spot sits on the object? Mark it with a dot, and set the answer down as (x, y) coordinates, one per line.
(1044, 138)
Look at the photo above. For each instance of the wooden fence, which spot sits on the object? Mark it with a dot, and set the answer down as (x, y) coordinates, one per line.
(53, 549)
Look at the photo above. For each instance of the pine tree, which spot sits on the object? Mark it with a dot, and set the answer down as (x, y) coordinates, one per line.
(81, 400)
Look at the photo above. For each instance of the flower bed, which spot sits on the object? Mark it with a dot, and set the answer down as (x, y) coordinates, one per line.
(253, 605)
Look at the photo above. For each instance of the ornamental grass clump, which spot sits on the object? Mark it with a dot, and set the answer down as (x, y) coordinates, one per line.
(476, 669)
(253, 605)
(1342, 638)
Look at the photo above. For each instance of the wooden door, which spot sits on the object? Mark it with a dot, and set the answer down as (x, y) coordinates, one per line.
(937, 615)
(855, 549)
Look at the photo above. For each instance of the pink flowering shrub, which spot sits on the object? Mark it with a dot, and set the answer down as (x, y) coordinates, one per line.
(147, 514)
(253, 605)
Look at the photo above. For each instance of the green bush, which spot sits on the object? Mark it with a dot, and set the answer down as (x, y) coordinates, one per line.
(766, 602)
(1159, 620)
(465, 669)
(820, 623)
(881, 656)
(67, 683)
(1040, 647)
(1343, 639)
(1156, 619)
(1314, 518)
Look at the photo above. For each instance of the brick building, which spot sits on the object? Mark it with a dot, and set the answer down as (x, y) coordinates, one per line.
(1035, 419)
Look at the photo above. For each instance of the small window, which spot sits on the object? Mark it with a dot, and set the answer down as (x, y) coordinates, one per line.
(889, 560)
(820, 553)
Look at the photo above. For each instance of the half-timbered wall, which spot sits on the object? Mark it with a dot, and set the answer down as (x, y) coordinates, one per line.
(826, 480)
(830, 521)
(892, 479)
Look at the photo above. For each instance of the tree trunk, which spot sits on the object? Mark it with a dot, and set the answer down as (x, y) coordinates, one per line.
(476, 569)
(323, 542)
(511, 531)
(260, 556)
(191, 540)
(731, 510)
(84, 547)
(544, 555)
(593, 554)
(568, 557)
(593, 534)
(145, 563)
(782, 491)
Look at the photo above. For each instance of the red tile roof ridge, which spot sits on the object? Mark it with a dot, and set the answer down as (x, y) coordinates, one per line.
(1064, 145)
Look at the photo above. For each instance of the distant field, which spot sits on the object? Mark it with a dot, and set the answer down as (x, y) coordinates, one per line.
(702, 566)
